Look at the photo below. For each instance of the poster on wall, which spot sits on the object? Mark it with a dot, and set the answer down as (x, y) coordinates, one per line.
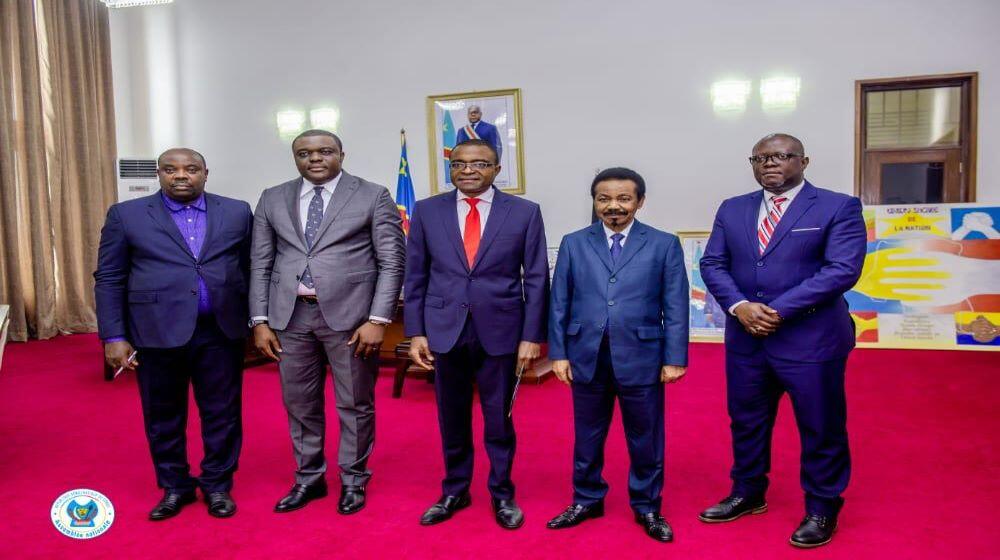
(707, 321)
(492, 116)
(931, 278)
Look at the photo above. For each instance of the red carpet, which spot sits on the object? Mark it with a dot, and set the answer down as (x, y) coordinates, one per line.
(923, 431)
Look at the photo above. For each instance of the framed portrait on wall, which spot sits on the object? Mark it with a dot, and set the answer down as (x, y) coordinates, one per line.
(707, 318)
(493, 116)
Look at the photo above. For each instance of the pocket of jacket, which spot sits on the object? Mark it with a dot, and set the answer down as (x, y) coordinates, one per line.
(434, 301)
(574, 329)
(142, 297)
(361, 277)
(649, 333)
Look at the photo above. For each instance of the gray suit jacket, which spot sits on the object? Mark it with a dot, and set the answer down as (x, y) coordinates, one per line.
(357, 261)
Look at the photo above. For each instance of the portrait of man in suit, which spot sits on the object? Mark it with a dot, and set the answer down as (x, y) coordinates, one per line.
(171, 291)
(475, 306)
(618, 330)
(326, 270)
(779, 260)
(478, 129)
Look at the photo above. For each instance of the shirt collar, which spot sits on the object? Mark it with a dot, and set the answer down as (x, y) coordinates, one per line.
(608, 232)
(789, 194)
(175, 206)
(486, 197)
(329, 186)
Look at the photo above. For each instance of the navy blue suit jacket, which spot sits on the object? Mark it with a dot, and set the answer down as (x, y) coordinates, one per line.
(642, 300)
(486, 132)
(506, 290)
(814, 257)
(147, 279)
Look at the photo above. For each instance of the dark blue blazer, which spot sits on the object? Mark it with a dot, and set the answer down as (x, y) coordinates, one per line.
(642, 301)
(147, 279)
(506, 290)
(486, 132)
(814, 257)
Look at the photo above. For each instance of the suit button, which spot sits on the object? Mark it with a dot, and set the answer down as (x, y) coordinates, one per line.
(611, 302)
(612, 280)
(760, 294)
(760, 263)
(309, 257)
(465, 305)
(197, 266)
(194, 292)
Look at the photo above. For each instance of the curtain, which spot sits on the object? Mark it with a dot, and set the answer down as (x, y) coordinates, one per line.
(57, 158)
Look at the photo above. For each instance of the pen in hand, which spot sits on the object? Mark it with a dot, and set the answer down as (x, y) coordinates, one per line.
(131, 357)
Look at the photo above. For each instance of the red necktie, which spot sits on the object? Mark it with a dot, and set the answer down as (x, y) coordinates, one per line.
(472, 234)
(766, 228)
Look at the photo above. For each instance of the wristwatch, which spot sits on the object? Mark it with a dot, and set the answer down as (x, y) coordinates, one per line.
(379, 323)
(253, 323)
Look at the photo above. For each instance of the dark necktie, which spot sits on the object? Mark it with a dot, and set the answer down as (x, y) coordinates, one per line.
(616, 246)
(313, 218)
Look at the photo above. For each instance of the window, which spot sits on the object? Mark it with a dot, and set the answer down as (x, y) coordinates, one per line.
(915, 139)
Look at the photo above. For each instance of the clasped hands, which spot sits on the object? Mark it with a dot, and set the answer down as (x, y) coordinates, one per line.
(758, 319)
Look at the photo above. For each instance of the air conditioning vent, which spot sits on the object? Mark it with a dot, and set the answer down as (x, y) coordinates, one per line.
(137, 169)
(136, 178)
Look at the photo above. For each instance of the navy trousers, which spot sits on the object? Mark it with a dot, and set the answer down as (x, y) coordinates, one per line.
(643, 418)
(754, 385)
(213, 364)
(455, 372)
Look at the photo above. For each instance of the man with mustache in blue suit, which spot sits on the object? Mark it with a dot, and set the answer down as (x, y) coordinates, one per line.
(618, 328)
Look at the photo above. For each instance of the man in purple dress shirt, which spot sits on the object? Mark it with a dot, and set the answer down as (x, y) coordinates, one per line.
(171, 290)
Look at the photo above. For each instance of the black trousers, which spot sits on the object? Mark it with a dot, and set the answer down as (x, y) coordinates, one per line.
(213, 364)
(455, 372)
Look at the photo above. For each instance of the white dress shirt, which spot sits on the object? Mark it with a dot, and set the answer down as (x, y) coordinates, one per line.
(765, 206)
(305, 198)
(484, 205)
(609, 232)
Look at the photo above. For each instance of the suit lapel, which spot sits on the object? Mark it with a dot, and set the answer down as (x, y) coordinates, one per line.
(449, 221)
(751, 211)
(214, 217)
(498, 214)
(291, 193)
(160, 215)
(600, 244)
(802, 202)
(635, 240)
(346, 188)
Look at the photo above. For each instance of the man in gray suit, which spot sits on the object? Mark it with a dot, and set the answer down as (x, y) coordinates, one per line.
(326, 269)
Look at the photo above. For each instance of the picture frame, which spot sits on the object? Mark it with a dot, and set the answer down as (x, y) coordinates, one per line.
(449, 120)
(707, 322)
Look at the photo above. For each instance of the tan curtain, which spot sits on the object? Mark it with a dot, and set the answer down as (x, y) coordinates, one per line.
(57, 155)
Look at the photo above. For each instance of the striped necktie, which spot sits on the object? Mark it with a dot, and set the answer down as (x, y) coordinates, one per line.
(766, 228)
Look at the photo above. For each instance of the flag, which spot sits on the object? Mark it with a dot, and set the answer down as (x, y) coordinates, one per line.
(448, 142)
(404, 187)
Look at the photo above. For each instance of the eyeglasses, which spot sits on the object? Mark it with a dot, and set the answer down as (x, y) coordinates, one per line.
(778, 156)
(476, 165)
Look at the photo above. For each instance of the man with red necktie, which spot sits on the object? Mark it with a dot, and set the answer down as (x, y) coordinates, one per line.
(780, 260)
(475, 294)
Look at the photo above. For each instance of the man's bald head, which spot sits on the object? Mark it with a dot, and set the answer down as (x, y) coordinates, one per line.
(795, 142)
(177, 151)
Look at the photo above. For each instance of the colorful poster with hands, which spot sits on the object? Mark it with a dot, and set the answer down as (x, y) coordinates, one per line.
(931, 278)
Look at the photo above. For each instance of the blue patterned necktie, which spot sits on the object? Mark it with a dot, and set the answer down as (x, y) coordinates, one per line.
(616, 246)
(313, 218)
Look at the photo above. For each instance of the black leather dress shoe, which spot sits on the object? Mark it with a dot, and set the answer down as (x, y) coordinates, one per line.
(507, 514)
(352, 499)
(445, 508)
(300, 495)
(575, 515)
(732, 508)
(815, 530)
(220, 504)
(655, 526)
(171, 504)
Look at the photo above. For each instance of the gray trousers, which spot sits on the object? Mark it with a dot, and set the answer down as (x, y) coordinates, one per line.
(308, 344)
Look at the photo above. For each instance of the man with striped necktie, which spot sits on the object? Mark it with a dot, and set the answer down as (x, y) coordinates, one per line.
(780, 260)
